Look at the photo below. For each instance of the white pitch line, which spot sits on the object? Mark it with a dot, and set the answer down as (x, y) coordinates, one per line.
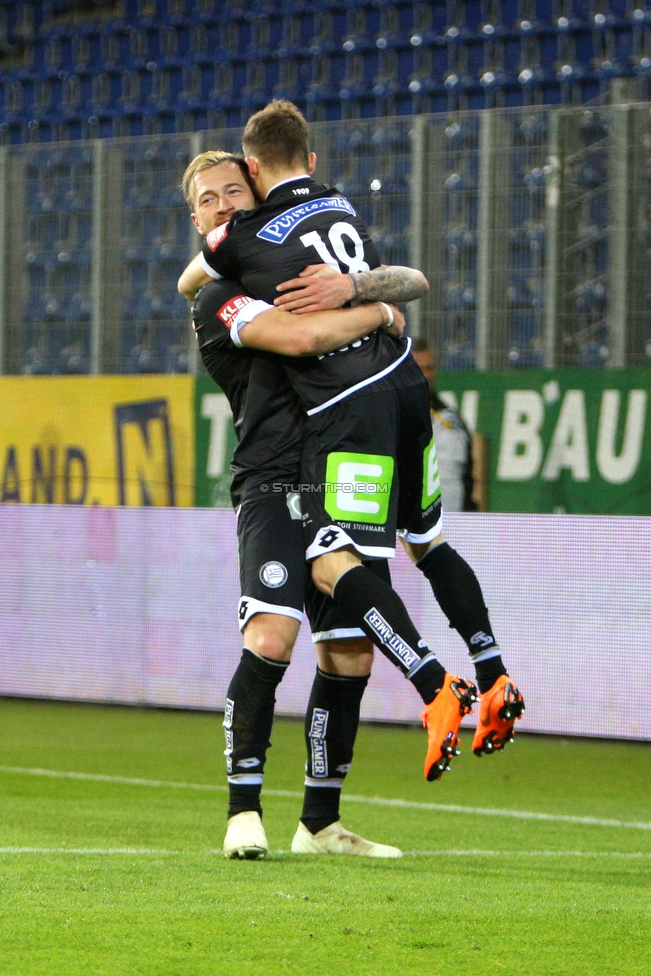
(634, 854)
(126, 780)
(496, 812)
(368, 800)
(128, 851)
(156, 852)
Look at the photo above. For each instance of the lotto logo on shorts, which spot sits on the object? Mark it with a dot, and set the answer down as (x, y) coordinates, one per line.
(273, 575)
(403, 652)
(317, 741)
(327, 538)
(358, 486)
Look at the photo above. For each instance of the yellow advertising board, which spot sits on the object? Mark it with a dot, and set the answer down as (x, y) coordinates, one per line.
(97, 440)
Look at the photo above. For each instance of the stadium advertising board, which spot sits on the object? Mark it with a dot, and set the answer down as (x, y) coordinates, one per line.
(575, 441)
(97, 440)
(139, 605)
(215, 440)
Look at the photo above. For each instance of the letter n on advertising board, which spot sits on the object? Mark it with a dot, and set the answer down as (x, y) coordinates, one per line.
(144, 454)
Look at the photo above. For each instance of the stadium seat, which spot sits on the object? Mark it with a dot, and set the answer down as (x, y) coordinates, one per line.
(176, 357)
(457, 240)
(458, 353)
(36, 360)
(592, 354)
(591, 295)
(142, 358)
(71, 358)
(460, 297)
(525, 349)
(166, 67)
(477, 45)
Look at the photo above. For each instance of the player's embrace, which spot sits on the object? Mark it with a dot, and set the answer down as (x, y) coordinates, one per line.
(367, 422)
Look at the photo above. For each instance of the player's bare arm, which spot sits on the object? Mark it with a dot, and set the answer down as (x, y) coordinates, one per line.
(320, 332)
(193, 278)
(389, 283)
(320, 287)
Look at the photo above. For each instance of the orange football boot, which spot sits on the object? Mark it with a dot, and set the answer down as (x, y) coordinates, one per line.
(498, 709)
(442, 718)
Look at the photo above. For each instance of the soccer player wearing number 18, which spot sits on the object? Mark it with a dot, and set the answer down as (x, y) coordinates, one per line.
(367, 419)
(272, 564)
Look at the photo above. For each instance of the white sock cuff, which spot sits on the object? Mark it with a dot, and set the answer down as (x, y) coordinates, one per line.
(486, 655)
(430, 656)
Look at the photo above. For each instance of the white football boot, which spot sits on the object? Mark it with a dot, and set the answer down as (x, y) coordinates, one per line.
(335, 839)
(245, 837)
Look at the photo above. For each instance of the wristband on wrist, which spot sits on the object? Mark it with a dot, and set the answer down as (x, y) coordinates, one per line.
(389, 310)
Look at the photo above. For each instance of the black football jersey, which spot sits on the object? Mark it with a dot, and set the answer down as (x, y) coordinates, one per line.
(269, 422)
(229, 366)
(302, 222)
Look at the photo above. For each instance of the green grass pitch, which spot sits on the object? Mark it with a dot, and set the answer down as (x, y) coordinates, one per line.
(99, 875)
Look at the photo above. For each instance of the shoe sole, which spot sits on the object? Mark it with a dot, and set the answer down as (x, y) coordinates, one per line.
(346, 853)
(495, 740)
(246, 854)
(450, 745)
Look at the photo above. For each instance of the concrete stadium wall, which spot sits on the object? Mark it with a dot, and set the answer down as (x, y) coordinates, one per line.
(138, 606)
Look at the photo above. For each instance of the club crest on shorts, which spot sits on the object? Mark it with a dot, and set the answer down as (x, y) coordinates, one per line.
(273, 574)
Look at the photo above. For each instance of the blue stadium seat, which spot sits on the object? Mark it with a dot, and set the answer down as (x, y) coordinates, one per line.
(459, 352)
(457, 240)
(592, 172)
(593, 354)
(393, 139)
(36, 359)
(71, 357)
(460, 182)
(591, 295)
(460, 297)
(176, 354)
(163, 67)
(141, 358)
(525, 346)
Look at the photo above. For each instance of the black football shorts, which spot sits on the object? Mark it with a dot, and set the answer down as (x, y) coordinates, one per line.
(274, 576)
(273, 572)
(370, 469)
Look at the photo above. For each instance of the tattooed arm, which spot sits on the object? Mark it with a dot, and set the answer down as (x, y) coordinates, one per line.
(395, 283)
(320, 287)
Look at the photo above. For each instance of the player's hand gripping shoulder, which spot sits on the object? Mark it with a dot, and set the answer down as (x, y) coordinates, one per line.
(320, 287)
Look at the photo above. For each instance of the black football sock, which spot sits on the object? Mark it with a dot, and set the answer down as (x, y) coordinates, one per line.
(248, 719)
(331, 723)
(488, 672)
(384, 619)
(459, 595)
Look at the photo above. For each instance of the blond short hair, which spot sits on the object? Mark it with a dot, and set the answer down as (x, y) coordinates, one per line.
(277, 135)
(206, 160)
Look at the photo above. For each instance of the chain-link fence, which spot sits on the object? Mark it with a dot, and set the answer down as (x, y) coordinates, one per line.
(531, 225)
